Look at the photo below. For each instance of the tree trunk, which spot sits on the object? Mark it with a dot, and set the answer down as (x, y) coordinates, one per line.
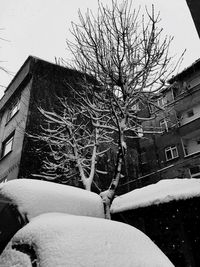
(108, 195)
(87, 184)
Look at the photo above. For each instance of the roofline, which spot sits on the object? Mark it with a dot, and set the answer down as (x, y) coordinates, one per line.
(29, 58)
(195, 65)
(23, 73)
(14, 78)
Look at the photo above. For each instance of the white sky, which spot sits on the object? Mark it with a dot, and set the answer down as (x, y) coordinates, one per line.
(40, 28)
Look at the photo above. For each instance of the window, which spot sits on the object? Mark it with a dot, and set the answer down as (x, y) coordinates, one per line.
(171, 152)
(198, 141)
(13, 110)
(7, 145)
(190, 113)
(161, 101)
(164, 125)
(175, 92)
(195, 171)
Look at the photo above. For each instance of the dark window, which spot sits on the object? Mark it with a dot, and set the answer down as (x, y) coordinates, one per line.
(171, 152)
(198, 141)
(13, 109)
(195, 171)
(7, 145)
(175, 92)
(190, 113)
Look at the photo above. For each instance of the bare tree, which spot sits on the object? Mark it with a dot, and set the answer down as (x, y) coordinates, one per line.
(74, 144)
(128, 57)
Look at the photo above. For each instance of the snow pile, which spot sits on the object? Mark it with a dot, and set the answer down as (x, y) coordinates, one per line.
(161, 192)
(67, 240)
(34, 197)
(13, 258)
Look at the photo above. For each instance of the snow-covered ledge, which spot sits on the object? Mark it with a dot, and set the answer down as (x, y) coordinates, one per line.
(162, 192)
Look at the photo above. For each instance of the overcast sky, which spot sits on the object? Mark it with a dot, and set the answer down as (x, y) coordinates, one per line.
(40, 28)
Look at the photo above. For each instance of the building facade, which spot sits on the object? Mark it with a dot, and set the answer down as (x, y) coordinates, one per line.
(170, 147)
(175, 153)
(37, 84)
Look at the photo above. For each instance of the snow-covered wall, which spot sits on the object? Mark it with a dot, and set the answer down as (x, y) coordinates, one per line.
(155, 194)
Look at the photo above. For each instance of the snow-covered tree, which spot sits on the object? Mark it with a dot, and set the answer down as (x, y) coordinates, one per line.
(128, 57)
(74, 143)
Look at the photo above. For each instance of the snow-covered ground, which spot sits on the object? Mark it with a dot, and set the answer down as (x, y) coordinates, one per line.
(34, 197)
(161, 192)
(69, 240)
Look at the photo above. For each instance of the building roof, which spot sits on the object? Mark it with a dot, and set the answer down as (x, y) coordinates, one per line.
(25, 73)
(18, 79)
(187, 71)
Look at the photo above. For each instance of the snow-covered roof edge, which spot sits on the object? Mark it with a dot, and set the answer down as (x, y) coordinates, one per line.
(162, 192)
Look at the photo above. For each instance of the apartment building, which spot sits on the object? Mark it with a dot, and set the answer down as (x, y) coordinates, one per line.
(36, 84)
(175, 153)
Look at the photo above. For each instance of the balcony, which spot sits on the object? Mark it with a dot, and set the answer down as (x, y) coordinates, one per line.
(191, 143)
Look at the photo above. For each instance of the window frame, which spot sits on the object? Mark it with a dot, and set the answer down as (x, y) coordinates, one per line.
(5, 143)
(162, 101)
(195, 174)
(13, 109)
(164, 124)
(171, 149)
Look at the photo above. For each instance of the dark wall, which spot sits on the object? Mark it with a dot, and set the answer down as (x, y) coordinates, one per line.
(49, 82)
(173, 226)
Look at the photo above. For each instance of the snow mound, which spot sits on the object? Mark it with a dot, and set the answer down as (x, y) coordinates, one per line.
(67, 240)
(34, 197)
(162, 192)
(13, 258)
